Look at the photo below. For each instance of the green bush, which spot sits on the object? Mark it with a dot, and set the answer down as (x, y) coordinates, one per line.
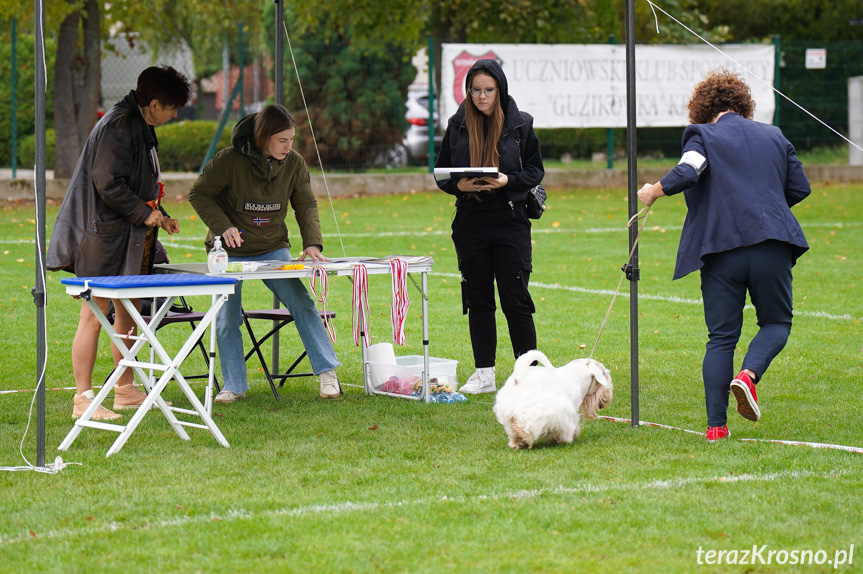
(27, 150)
(182, 145)
(24, 114)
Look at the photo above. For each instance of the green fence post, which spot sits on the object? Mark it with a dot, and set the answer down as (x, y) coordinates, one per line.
(241, 65)
(222, 121)
(432, 127)
(610, 133)
(777, 59)
(14, 108)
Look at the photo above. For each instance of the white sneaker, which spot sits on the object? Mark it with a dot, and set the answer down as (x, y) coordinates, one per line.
(330, 387)
(226, 397)
(481, 381)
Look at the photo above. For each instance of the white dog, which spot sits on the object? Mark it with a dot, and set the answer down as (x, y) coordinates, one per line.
(542, 401)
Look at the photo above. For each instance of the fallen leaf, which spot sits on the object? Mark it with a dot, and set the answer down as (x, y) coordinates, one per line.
(375, 427)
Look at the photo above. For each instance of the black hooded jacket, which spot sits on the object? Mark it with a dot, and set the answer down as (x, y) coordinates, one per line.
(517, 138)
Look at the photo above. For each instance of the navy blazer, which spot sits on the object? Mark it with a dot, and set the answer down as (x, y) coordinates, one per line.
(744, 194)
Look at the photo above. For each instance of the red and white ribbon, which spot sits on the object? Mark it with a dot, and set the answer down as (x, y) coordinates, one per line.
(401, 301)
(360, 305)
(320, 274)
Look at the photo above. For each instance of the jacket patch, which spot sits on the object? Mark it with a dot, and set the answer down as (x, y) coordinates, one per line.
(253, 207)
(259, 221)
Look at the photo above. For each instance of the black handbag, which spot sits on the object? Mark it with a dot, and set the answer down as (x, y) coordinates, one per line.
(536, 202)
(536, 196)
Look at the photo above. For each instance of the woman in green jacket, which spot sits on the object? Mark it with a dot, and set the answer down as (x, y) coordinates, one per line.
(243, 195)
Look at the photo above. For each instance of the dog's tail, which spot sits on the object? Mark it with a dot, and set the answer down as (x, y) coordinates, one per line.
(523, 363)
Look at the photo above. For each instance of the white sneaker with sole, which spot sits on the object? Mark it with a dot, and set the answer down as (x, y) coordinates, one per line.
(481, 381)
(330, 387)
(226, 397)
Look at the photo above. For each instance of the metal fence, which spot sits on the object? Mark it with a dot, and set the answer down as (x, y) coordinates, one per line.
(368, 111)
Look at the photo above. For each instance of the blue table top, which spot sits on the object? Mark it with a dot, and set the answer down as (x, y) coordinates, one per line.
(161, 280)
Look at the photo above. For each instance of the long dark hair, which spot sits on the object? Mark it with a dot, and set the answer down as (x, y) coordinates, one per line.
(483, 145)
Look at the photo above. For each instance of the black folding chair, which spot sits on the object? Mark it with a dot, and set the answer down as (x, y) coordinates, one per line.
(279, 317)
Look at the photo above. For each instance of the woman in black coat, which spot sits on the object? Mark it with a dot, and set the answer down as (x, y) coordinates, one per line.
(108, 221)
(491, 230)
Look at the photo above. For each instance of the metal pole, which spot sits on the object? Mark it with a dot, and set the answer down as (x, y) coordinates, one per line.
(39, 180)
(632, 166)
(280, 52)
(432, 104)
(14, 110)
(777, 59)
(609, 134)
(241, 64)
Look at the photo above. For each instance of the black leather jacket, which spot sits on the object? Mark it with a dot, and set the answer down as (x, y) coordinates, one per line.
(100, 227)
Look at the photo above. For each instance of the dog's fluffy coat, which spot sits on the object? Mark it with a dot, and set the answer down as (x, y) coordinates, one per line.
(542, 401)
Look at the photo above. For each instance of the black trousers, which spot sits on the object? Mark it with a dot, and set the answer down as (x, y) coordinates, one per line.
(494, 246)
(764, 270)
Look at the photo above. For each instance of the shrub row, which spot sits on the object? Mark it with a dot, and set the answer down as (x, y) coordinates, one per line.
(182, 145)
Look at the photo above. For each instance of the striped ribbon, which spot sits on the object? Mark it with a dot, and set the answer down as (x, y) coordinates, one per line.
(320, 274)
(360, 305)
(401, 301)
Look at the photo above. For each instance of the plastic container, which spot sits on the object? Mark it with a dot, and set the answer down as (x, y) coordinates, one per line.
(217, 258)
(241, 266)
(408, 371)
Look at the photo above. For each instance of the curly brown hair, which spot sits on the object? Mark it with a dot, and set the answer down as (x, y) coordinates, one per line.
(720, 91)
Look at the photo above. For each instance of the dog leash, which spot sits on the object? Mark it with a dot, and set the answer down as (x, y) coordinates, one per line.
(633, 219)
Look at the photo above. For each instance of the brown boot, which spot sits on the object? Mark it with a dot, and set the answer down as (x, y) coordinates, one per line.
(129, 397)
(82, 402)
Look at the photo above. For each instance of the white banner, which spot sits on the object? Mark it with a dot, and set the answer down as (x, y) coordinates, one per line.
(583, 86)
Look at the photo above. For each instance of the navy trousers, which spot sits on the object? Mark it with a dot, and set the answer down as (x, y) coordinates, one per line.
(764, 270)
(494, 246)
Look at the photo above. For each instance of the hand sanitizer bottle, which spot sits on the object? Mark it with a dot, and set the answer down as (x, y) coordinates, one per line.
(217, 259)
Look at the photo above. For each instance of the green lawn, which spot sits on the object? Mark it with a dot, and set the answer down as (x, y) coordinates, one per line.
(370, 484)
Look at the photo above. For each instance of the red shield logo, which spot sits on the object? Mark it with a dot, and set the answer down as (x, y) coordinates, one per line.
(461, 65)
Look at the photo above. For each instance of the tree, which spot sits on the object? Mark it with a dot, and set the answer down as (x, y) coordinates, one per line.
(77, 75)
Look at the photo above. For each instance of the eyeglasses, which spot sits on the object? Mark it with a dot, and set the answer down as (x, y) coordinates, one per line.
(476, 92)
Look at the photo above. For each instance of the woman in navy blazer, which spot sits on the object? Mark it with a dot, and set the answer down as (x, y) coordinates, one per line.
(740, 179)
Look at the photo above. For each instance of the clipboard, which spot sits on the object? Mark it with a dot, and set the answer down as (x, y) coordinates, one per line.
(441, 173)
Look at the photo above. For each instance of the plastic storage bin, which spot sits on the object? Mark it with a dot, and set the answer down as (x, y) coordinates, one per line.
(405, 377)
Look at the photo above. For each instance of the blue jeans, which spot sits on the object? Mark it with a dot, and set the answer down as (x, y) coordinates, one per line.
(293, 295)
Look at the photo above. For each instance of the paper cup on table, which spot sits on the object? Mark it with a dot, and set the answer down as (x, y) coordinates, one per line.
(381, 353)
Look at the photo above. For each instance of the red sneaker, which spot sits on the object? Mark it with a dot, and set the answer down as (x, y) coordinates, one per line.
(747, 400)
(717, 433)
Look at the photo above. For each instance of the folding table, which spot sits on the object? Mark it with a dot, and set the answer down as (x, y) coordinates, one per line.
(343, 267)
(125, 289)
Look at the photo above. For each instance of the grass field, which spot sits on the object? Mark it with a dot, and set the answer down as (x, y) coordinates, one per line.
(374, 484)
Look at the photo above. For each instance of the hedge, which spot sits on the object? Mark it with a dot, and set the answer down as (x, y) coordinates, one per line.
(182, 145)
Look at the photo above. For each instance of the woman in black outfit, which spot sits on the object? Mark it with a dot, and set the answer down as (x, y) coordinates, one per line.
(491, 230)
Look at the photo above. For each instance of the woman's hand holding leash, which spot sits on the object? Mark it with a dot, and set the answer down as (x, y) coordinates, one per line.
(650, 192)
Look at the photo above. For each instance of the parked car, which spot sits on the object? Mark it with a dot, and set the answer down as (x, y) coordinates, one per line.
(416, 139)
